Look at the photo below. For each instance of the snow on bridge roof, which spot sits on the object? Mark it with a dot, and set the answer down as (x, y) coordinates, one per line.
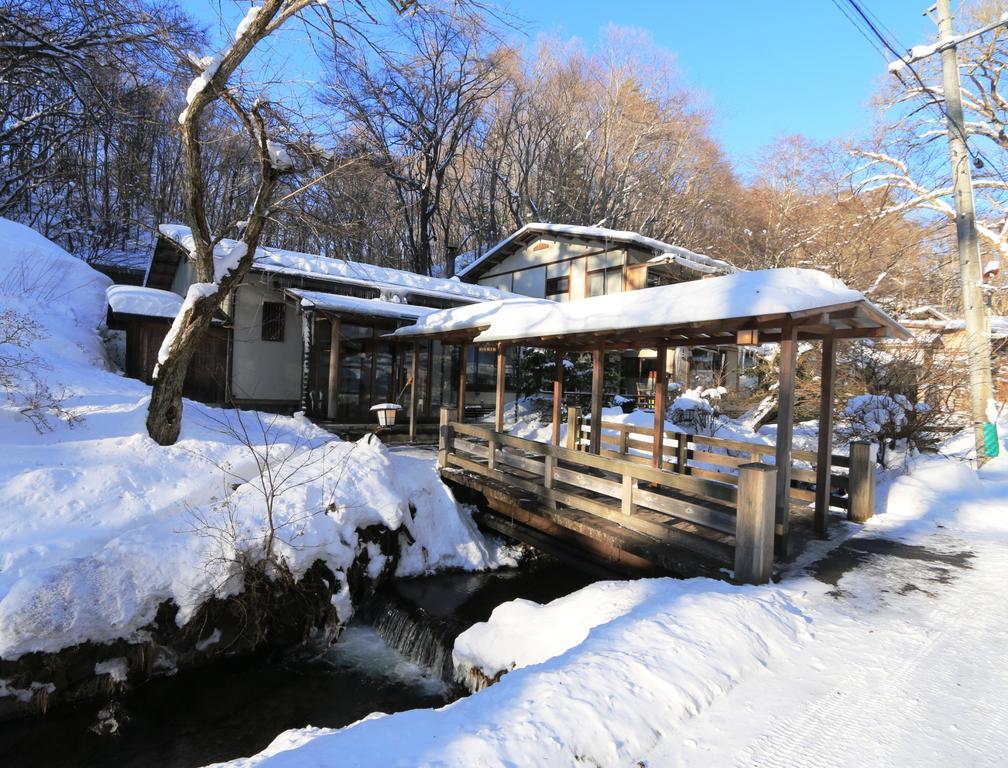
(664, 252)
(139, 300)
(279, 261)
(357, 306)
(700, 312)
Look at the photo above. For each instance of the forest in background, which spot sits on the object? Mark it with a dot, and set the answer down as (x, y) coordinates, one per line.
(431, 137)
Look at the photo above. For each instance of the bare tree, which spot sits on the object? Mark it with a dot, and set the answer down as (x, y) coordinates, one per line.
(413, 112)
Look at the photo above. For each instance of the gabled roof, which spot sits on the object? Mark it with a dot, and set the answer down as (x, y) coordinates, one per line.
(393, 281)
(684, 314)
(662, 252)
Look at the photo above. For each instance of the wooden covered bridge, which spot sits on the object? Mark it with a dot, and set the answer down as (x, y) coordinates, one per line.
(646, 500)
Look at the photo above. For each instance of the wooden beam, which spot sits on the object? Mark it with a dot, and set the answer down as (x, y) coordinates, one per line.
(824, 453)
(557, 395)
(661, 390)
(332, 397)
(499, 390)
(785, 432)
(862, 481)
(594, 437)
(414, 372)
(463, 364)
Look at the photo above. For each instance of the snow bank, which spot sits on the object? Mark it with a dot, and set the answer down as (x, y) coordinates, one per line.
(100, 524)
(641, 659)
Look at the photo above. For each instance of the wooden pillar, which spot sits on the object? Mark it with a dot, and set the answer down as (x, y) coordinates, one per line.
(862, 481)
(414, 372)
(754, 523)
(824, 454)
(557, 396)
(499, 391)
(595, 436)
(785, 431)
(573, 427)
(332, 396)
(446, 436)
(463, 365)
(661, 390)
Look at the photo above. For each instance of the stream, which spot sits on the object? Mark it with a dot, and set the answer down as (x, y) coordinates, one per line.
(394, 657)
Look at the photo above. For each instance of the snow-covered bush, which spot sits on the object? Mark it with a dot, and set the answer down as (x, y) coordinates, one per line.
(889, 420)
(694, 410)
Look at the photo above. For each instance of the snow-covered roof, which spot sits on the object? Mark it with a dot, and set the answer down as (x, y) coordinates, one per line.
(395, 281)
(781, 293)
(665, 253)
(354, 305)
(138, 300)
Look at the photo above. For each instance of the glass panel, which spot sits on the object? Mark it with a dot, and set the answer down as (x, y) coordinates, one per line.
(614, 281)
(596, 283)
(355, 378)
(383, 375)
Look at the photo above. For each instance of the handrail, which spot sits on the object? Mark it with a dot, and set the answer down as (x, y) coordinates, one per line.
(743, 511)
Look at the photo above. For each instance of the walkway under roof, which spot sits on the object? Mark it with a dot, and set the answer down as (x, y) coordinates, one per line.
(783, 306)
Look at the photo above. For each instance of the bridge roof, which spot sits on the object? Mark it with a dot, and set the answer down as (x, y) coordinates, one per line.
(699, 312)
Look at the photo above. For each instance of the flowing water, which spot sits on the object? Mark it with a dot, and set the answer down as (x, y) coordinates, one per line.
(400, 660)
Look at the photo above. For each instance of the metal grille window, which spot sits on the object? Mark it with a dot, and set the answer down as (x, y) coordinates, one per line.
(273, 320)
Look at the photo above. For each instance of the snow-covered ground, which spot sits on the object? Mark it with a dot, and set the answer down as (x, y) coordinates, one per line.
(883, 646)
(99, 524)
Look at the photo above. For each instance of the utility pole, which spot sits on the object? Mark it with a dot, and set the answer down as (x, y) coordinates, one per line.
(978, 347)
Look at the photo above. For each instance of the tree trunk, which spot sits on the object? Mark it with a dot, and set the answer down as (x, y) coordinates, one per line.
(164, 415)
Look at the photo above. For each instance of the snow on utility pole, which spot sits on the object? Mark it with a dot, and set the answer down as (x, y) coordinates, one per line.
(977, 329)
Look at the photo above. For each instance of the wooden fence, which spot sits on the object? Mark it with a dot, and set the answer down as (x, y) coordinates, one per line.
(729, 521)
(716, 458)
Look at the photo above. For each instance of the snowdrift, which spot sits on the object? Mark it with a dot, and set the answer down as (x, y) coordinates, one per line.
(99, 525)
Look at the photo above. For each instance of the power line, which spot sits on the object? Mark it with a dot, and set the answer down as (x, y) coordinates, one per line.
(978, 156)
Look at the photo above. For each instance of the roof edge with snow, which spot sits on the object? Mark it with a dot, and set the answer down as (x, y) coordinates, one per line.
(664, 253)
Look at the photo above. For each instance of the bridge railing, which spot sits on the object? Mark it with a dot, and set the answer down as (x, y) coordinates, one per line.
(718, 458)
(739, 513)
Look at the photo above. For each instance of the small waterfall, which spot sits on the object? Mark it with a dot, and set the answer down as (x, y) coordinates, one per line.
(423, 639)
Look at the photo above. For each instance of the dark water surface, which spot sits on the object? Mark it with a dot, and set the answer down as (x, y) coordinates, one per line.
(236, 708)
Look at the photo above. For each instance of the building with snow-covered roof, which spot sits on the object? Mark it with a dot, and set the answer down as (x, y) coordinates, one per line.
(567, 262)
(302, 331)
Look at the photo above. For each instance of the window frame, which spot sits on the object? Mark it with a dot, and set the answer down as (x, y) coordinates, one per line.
(273, 315)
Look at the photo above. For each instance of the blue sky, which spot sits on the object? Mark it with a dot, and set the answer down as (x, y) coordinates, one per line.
(766, 68)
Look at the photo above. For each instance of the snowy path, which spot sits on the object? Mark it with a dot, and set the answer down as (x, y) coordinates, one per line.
(908, 664)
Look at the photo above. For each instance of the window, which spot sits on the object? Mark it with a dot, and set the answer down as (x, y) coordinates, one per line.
(273, 320)
(557, 287)
(605, 281)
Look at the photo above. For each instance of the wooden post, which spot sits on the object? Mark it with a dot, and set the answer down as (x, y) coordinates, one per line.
(573, 427)
(332, 397)
(624, 440)
(629, 485)
(862, 481)
(682, 453)
(785, 432)
(498, 407)
(557, 396)
(549, 463)
(754, 523)
(414, 372)
(661, 388)
(824, 455)
(595, 436)
(463, 365)
(445, 437)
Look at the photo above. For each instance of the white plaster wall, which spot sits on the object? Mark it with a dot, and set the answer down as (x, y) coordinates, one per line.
(264, 370)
